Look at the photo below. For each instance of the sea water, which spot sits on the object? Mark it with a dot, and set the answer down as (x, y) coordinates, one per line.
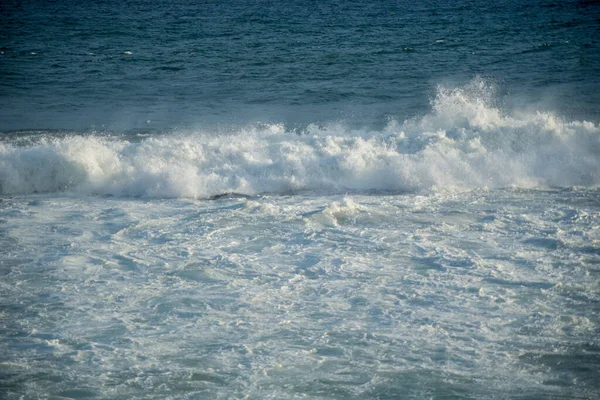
(323, 200)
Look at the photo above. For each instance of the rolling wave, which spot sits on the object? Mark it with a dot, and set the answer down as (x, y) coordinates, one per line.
(464, 142)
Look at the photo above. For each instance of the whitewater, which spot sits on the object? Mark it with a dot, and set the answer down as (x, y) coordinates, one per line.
(464, 142)
(455, 254)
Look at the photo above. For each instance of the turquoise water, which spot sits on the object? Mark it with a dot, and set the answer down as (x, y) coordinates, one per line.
(323, 200)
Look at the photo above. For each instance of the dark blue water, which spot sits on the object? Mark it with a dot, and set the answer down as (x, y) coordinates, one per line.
(130, 65)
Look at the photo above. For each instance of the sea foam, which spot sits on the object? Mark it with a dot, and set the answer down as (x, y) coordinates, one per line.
(464, 142)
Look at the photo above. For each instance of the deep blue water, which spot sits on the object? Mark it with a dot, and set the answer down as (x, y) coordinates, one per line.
(64, 64)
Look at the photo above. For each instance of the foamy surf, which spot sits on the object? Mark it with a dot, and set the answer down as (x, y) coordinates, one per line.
(464, 142)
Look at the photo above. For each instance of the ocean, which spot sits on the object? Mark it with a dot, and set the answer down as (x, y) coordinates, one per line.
(310, 199)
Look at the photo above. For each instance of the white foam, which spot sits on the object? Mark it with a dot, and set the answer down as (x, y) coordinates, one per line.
(337, 213)
(464, 142)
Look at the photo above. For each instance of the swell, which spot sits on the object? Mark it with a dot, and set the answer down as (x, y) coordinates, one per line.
(464, 142)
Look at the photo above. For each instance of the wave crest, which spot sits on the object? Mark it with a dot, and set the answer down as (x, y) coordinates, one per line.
(464, 142)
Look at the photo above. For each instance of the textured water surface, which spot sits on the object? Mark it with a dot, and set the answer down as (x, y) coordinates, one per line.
(120, 64)
(478, 294)
(322, 200)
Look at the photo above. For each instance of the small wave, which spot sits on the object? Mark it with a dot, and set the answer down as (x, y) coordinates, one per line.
(464, 142)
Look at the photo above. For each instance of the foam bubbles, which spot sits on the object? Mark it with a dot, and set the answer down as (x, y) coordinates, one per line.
(465, 142)
(337, 213)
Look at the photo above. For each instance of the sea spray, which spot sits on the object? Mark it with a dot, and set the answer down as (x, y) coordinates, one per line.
(464, 142)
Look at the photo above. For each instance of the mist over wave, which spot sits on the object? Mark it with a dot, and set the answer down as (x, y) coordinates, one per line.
(464, 142)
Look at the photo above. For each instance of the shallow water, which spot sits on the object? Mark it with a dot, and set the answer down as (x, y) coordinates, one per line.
(475, 294)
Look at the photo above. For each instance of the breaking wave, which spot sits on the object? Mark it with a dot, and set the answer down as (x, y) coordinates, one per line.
(464, 142)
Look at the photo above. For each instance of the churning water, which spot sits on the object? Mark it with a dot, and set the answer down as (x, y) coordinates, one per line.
(324, 200)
